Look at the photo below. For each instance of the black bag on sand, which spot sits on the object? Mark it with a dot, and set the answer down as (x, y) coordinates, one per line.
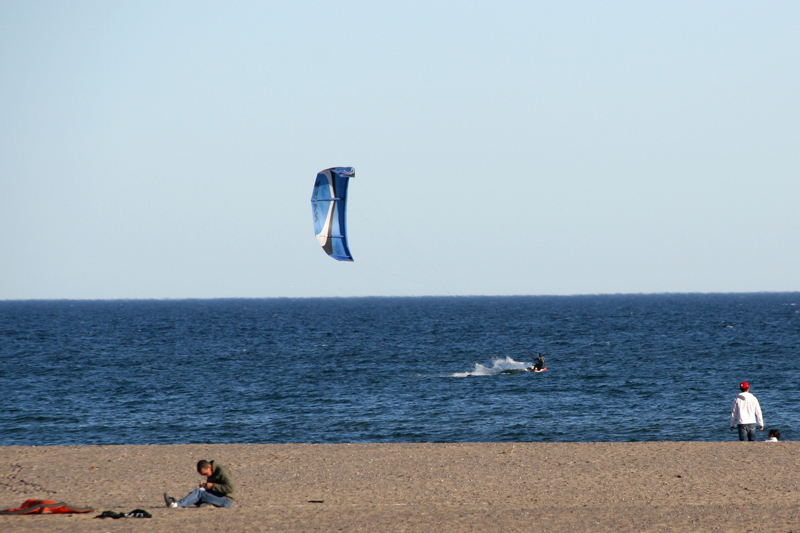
(136, 513)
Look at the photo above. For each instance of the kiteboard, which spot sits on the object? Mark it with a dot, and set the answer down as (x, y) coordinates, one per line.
(521, 370)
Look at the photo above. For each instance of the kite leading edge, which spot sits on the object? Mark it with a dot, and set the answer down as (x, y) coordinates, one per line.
(328, 205)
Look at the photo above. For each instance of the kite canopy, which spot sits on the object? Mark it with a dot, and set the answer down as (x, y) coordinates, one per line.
(328, 205)
(46, 506)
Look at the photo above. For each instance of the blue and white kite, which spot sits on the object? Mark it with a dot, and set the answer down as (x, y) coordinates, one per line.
(328, 203)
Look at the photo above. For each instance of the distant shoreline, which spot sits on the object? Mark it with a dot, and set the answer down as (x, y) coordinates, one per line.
(393, 297)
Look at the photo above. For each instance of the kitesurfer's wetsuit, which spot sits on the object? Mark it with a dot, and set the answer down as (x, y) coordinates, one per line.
(539, 365)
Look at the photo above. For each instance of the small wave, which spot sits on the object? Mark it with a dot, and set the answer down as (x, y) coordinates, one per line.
(497, 366)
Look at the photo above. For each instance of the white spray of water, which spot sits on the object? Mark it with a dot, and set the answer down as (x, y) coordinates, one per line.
(498, 365)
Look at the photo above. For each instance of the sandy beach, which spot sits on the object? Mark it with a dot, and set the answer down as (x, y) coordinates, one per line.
(664, 486)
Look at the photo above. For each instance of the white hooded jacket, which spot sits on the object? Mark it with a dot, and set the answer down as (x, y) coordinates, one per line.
(745, 410)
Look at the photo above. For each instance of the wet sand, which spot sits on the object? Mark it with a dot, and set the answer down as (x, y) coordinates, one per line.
(655, 486)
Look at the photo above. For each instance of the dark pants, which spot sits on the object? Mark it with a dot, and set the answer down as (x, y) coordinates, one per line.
(747, 429)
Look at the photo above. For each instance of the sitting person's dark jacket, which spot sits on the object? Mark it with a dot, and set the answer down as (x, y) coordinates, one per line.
(222, 480)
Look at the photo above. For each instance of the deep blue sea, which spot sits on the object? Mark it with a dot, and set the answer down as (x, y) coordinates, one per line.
(620, 368)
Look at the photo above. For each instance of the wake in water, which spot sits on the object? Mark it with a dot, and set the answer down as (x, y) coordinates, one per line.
(498, 366)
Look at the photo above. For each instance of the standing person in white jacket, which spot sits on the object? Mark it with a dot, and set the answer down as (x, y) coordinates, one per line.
(745, 411)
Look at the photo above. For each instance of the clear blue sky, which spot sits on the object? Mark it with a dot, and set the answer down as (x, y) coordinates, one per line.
(168, 149)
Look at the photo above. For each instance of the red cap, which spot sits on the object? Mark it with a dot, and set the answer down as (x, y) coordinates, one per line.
(744, 385)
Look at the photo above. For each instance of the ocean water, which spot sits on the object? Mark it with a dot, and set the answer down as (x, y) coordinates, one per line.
(620, 368)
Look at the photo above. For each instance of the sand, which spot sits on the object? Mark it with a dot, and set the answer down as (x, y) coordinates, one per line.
(664, 486)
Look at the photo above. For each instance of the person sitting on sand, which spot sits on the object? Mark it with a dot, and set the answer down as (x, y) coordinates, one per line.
(774, 435)
(217, 490)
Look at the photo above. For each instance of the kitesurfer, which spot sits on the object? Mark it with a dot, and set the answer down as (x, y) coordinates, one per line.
(217, 490)
(538, 365)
